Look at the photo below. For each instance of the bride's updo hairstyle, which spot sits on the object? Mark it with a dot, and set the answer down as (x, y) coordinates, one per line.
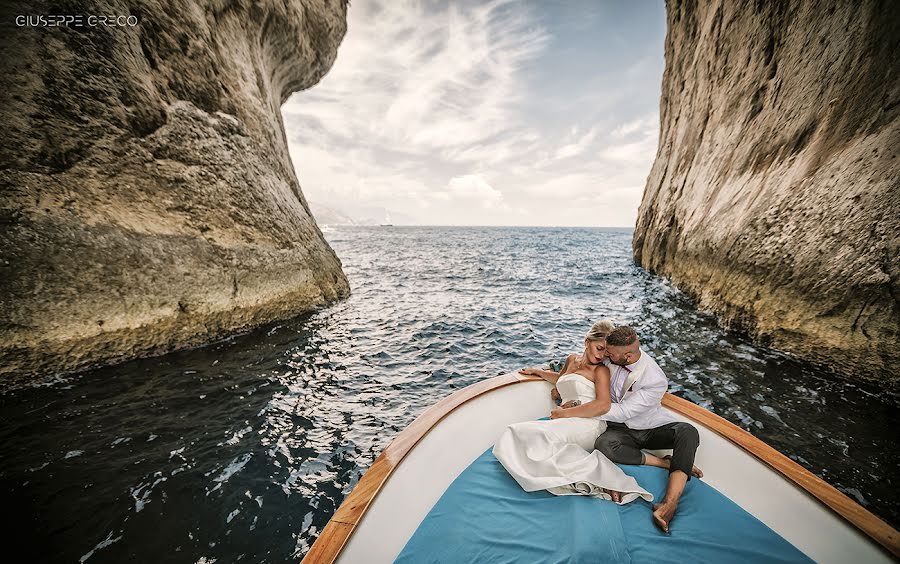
(600, 330)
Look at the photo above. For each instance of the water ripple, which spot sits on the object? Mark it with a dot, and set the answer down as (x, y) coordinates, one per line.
(245, 448)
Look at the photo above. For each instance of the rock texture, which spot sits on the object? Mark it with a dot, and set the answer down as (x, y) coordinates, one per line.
(775, 196)
(148, 198)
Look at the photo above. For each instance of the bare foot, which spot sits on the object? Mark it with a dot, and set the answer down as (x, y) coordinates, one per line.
(695, 472)
(663, 513)
(616, 496)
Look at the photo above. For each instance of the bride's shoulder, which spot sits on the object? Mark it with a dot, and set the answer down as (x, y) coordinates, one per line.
(569, 360)
(601, 371)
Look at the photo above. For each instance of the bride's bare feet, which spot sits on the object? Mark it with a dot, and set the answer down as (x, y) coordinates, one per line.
(616, 496)
(663, 513)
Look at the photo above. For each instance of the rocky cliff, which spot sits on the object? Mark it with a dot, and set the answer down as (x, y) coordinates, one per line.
(774, 199)
(148, 198)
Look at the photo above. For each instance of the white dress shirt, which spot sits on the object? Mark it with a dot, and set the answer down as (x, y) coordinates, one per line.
(619, 374)
(639, 407)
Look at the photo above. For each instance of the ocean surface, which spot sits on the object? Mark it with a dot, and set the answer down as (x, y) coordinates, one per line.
(242, 450)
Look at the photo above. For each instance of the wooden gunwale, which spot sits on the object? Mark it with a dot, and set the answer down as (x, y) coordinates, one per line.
(344, 521)
(342, 525)
(834, 499)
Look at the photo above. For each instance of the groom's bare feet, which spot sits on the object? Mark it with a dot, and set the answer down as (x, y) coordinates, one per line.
(663, 513)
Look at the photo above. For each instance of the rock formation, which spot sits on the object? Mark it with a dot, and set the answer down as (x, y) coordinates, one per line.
(774, 199)
(148, 198)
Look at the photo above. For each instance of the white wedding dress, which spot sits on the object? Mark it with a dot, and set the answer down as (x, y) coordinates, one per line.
(558, 455)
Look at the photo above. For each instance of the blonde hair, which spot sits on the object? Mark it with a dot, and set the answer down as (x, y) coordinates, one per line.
(600, 330)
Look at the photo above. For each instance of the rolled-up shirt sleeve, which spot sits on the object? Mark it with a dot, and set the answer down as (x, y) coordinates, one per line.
(639, 402)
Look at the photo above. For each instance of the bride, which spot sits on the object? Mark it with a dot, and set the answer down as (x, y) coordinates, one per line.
(558, 455)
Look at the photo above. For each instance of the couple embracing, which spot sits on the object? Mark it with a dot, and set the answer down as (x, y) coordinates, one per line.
(611, 409)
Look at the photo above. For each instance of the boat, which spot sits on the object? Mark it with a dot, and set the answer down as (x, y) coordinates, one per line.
(395, 495)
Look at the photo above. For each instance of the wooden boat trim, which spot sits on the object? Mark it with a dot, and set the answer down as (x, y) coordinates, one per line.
(347, 517)
(341, 526)
(834, 499)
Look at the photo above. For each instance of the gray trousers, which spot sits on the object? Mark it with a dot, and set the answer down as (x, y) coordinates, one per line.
(623, 445)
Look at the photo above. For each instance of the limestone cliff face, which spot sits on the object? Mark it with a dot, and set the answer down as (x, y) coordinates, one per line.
(148, 198)
(775, 196)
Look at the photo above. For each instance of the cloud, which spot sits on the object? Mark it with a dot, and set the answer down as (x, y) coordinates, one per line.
(635, 141)
(630, 152)
(578, 146)
(462, 113)
(474, 187)
(423, 78)
(644, 125)
(567, 187)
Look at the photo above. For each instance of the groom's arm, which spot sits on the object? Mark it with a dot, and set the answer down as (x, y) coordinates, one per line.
(640, 401)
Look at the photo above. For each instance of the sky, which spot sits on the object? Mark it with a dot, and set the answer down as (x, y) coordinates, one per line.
(485, 113)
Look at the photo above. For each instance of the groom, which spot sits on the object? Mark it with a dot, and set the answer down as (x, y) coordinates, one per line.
(636, 420)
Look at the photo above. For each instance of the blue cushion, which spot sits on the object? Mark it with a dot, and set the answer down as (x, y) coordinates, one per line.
(484, 516)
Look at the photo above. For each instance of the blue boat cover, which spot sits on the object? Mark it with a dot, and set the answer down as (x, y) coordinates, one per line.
(484, 516)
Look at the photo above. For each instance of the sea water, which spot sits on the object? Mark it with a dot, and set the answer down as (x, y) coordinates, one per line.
(242, 450)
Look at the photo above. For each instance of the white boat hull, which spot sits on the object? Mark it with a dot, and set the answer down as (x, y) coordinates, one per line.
(380, 528)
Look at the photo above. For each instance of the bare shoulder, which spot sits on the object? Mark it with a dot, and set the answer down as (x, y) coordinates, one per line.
(569, 360)
(600, 372)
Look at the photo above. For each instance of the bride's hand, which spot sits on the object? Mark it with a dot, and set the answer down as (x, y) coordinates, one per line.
(530, 371)
(558, 413)
(570, 403)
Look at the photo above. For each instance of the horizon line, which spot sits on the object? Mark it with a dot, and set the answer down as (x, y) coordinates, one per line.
(460, 225)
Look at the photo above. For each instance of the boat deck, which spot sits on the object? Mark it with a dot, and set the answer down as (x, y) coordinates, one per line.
(396, 494)
(484, 516)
